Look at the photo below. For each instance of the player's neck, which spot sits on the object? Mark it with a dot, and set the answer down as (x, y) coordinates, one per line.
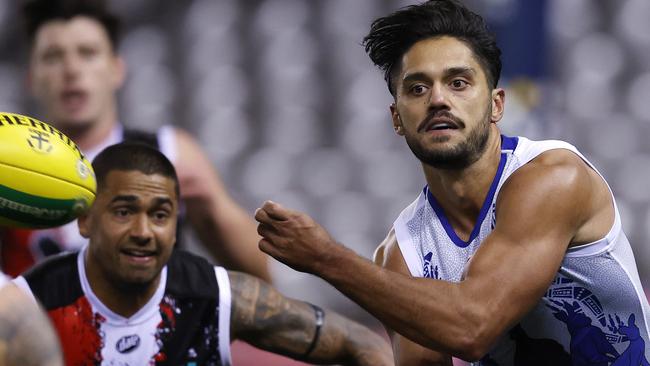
(461, 193)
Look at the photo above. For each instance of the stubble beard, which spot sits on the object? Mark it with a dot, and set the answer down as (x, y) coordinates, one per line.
(457, 157)
(121, 279)
(130, 283)
(135, 287)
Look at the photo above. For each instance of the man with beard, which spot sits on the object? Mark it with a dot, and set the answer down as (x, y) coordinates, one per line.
(129, 298)
(513, 253)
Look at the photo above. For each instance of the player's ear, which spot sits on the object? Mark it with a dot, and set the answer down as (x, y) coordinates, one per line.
(397, 120)
(498, 104)
(84, 225)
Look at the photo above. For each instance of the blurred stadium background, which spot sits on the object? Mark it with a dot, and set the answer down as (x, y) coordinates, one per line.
(289, 107)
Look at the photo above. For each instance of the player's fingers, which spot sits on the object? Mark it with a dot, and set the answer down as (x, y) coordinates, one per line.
(267, 247)
(262, 216)
(266, 231)
(276, 211)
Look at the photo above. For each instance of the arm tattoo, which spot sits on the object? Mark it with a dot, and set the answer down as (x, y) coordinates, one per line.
(26, 335)
(266, 319)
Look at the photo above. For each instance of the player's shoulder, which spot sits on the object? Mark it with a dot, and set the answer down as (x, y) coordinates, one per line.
(553, 169)
(55, 282)
(558, 157)
(60, 266)
(557, 179)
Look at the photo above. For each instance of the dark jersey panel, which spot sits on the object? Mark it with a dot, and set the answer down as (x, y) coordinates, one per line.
(190, 312)
(55, 281)
(189, 328)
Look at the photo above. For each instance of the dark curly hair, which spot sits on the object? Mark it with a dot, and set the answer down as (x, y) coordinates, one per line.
(392, 36)
(38, 12)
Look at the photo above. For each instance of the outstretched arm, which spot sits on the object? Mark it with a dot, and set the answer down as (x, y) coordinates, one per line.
(264, 318)
(26, 336)
(540, 210)
(223, 227)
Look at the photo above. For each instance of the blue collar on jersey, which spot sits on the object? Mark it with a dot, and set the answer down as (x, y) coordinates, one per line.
(507, 144)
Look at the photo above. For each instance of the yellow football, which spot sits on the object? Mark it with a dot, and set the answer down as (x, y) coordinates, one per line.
(45, 180)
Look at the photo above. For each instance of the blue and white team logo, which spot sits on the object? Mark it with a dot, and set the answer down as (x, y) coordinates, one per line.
(595, 335)
(430, 270)
(128, 343)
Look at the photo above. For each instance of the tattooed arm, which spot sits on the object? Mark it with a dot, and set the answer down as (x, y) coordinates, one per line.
(26, 336)
(264, 318)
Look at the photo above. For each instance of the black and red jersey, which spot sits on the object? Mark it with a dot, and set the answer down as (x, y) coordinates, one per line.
(186, 322)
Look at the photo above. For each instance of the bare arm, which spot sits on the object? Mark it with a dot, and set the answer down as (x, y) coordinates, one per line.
(223, 227)
(26, 336)
(540, 210)
(406, 352)
(264, 318)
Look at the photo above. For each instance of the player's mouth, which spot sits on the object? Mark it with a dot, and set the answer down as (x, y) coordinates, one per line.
(139, 256)
(74, 99)
(439, 125)
(442, 126)
(441, 122)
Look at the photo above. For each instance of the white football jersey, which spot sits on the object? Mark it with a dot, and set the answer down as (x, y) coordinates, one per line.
(594, 312)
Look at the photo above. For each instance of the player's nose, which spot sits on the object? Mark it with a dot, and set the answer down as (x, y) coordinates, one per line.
(141, 229)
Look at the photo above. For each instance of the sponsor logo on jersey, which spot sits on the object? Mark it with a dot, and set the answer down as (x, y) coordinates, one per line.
(128, 343)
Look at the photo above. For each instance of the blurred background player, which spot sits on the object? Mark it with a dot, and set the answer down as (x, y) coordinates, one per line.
(74, 75)
(129, 298)
(26, 335)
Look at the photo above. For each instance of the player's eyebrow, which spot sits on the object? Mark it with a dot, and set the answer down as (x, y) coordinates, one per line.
(159, 201)
(448, 72)
(124, 197)
(461, 70)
